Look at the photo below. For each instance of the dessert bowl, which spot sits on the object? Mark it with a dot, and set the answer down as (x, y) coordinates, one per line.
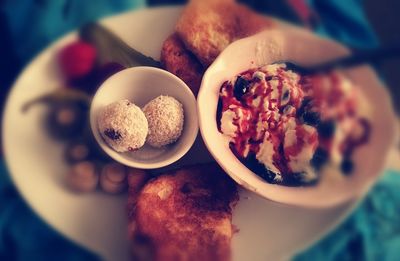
(303, 48)
(140, 85)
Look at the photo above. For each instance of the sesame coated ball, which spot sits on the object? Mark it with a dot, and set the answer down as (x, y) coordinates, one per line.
(165, 117)
(123, 126)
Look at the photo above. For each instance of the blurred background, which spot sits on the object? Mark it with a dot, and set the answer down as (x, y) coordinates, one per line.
(27, 27)
(384, 18)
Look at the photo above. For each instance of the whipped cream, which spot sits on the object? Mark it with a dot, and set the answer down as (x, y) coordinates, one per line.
(290, 124)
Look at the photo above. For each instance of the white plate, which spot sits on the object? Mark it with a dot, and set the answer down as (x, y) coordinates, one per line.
(268, 231)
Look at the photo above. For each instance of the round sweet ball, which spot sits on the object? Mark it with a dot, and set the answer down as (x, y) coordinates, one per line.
(165, 117)
(123, 126)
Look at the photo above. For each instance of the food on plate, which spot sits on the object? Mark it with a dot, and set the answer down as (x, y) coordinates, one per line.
(66, 120)
(165, 118)
(91, 82)
(95, 56)
(111, 48)
(113, 178)
(204, 29)
(77, 150)
(176, 59)
(83, 177)
(286, 127)
(185, 214)
(123, 126)
(77, 59)
(60, 95)
(137, 178)
(106, 70)
(207, 27)
(67, 112)
(84, 147)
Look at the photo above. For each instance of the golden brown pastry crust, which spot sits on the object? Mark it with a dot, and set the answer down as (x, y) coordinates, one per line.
(208, 27)
(176, 59)
(186, 215)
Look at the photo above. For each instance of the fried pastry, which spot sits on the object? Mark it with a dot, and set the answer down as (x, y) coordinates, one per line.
(176, 59)
(208, 27)
(186, 215)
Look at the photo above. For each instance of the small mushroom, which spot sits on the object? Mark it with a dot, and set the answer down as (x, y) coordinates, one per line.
(113, 178)
(83, 177)
(66, 120)
(77, 151)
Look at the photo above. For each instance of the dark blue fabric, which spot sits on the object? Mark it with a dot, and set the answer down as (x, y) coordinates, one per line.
(36, 23)
(371, 233)
(345, 21)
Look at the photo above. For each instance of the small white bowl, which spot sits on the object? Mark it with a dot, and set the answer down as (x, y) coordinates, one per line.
(302, 47)
(140, 85)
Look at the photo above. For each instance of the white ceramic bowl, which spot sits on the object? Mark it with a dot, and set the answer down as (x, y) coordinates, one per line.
(304, 48)
(140, 85)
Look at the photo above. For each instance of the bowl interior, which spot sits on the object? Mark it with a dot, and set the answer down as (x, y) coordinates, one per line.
(140, 85)
(304, 48)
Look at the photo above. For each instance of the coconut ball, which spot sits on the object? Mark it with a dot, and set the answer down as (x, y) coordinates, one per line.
(165, 117)
(123, 126)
